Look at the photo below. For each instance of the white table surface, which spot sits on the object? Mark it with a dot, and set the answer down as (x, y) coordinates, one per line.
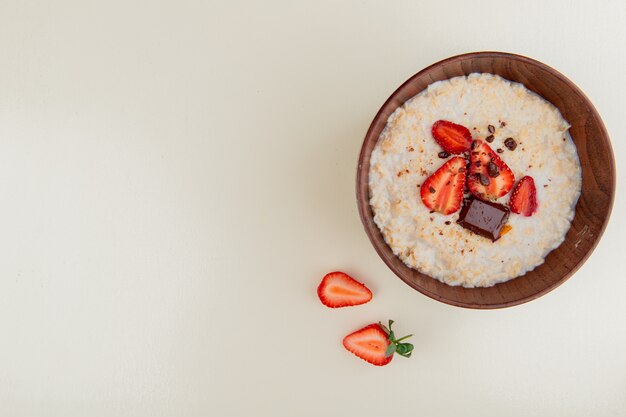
(176, 177)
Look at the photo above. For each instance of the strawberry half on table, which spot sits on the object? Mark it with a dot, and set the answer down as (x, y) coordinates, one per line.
(443, 190)
(338, 289)
(524, 198)
(453, 138)
(377, 343)
(488, 177)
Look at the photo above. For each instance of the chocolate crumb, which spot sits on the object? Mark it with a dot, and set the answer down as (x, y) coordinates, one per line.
(462, 251)
(530, 166)
(499, 150)
(502, 124)
(510, 144)
(440, 233)
(490, 138)
(563, 139)
(410, 149)
(443, 154)
(491, 129)
(447, 222)
(418, 186)
(492, 170)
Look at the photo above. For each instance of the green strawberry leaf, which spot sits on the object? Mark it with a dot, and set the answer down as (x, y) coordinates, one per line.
(390, 350)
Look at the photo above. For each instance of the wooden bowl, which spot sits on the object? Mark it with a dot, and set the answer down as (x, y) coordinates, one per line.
(593, 208)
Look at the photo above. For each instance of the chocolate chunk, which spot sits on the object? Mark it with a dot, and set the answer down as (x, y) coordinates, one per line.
(483, 179)
(499, 150)
(510, 143)
(492, 170)
(491, 128)
(443, 154)
(490, 138)
(484, 218)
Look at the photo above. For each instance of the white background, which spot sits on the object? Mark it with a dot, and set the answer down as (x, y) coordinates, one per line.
(176, 177)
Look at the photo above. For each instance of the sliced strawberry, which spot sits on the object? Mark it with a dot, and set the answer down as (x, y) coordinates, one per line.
(489, 177)
(376, 344)
(340, 290)
(443, 190)
(524, 198)
(453, 138)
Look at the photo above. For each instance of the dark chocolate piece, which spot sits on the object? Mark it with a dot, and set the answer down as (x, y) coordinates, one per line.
(510, 143)
(492, 170)
(443, 154)
(484, 218)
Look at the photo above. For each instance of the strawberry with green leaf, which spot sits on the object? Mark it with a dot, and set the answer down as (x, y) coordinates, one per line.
(377, 343)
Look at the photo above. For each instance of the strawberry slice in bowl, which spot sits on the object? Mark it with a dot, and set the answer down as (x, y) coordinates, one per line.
(443, 190)
(338, 289)
(489, 177)
(453, 138)
(524, 198)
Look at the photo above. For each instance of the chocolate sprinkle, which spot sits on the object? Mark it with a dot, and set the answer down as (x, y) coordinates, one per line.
(492, 169)
(491, 128)
(490, 138)
(443, 154)
(510, 144)
(499, 150)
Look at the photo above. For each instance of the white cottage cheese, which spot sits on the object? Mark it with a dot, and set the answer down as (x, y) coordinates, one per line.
(406, 154)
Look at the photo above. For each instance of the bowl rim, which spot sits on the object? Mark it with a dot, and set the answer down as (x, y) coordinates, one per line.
(364, 214)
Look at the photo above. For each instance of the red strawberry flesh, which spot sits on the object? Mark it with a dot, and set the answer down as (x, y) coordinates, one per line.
(443, 190)
(453, 138)
(489, 177)
(338, 289)
(524, 198)
(370, 344)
